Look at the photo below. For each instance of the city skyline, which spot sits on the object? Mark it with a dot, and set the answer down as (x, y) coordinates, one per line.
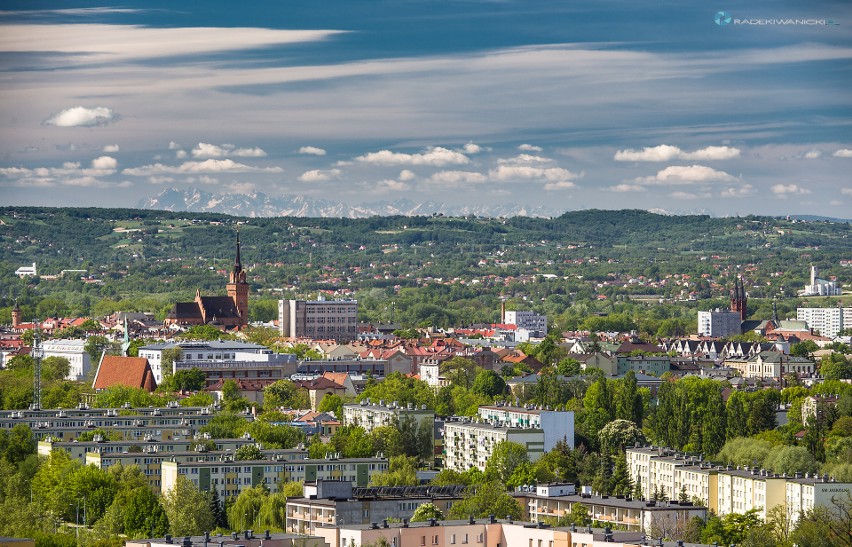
(659, 106)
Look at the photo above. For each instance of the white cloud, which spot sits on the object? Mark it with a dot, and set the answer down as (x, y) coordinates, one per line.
(318, 175)
(249, 152)
(391, 185)
(784, 190)
(312, 150)
(105, 163)
(683, 195)
(457, 177)
(115, 43)
(241, 188)
(627, 188)
(180, 154)
(738, 191)
(80, 116)
(681, 174)
(173, 145)
(666, 152)
(813, 154)
(530, 148)
(561, 185)
(842, 153)
(160, 180)
(202, 179)
(206, 166)
(207, 150)
(111, 148)
(406, 175)
(436, 156)
(508, 173)
(472, 148)
(15, 172)
(524, 159)
(846, 191)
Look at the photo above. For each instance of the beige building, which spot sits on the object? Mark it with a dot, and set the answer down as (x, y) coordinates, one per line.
(247, 538)
(469, 444)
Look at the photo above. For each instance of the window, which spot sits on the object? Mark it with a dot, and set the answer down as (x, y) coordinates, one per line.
(453, 539)
(422, 540)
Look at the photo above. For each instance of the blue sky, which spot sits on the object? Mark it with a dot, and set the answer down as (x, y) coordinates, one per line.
(607, 104)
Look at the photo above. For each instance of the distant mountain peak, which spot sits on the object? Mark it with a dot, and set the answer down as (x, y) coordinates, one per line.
(258, 204)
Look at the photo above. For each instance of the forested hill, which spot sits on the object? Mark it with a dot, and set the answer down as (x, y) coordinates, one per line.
(174, 252)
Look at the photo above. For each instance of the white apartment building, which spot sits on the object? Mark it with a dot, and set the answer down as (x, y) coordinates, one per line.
(556, 425)
(719, 323)
(318, 319)
(828, 321)
(469, 444)
(528, 320)
(741, 490)
(220, 355)
(804, 493)
(372, 415)
(80, 363)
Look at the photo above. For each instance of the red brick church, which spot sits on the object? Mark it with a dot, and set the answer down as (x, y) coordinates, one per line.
(225, 312)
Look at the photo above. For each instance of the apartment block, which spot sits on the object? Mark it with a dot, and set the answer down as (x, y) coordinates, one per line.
(719, 323)
(827, 321)
(629, 514)
(556, 425)
(230, 478)
(318, 319)
(470, 444)
(79, 361)
(372, 415)
(150, 459)
(803, 493)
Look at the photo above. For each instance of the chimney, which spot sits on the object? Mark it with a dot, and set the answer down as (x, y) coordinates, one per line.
(502, 312)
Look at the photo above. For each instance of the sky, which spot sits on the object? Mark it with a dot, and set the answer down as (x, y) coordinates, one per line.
(608, 104)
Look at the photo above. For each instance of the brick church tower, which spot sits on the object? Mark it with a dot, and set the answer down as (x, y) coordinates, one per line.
(739, 300)
(238, 289)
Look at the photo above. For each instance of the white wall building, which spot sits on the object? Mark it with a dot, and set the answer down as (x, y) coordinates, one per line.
(469, 444)
(318, 319)
(828, 321)
(821, 287)
(528, 320)
(203, 355)
(24, 271)
(719, 324)
(73, 350)
(556, 425)
(371, 415)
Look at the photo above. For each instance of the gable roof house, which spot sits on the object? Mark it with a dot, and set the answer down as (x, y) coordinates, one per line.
(114, 370)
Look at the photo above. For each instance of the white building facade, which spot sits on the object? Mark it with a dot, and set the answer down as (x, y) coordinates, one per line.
(828, 321)
(528, 320)
(318, 319)
(719, 324)
(556, 425)
(470, 444)
(80, 363)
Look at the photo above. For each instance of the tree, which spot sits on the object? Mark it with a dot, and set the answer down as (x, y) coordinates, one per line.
(620, 434)
(16, 444)
(248, 452)
(505, 457)
(488, 384)
(628, 401)
(244, 511)
(484, 499)
(790, 460)
(805, 348)
(217, 510)
(460, 371)
(621, 483)
(193, 379)
(835, 366)
(203, 332)
(187, 508)
(285, 394)
(54, 368)
(426, 512)
(95, 346)
(333, 403)
(402, 471)
(578, 515)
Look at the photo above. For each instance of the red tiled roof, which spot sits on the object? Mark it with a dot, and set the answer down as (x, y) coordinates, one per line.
(318, 383)
(125, 371)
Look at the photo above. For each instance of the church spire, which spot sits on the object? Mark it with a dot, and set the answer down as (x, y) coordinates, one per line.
(238, 266)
